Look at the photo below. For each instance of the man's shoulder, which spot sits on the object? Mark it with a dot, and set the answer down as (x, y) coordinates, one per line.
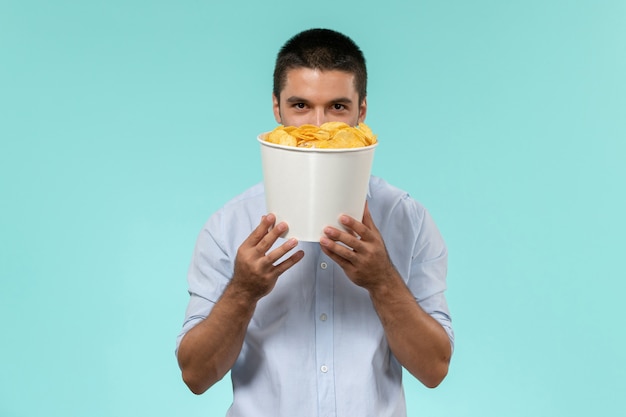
(382, 188)
(252, 195)
(383, 193)
(248, 204)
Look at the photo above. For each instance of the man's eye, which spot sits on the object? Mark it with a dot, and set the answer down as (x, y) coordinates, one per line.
(299, 105)
(338, 106)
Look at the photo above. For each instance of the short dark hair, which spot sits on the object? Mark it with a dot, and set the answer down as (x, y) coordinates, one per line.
(322, 49)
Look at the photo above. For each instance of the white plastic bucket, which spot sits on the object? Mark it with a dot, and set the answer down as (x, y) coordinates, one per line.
(310, 188)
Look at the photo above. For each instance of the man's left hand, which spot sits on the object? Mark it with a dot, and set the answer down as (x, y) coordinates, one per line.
(363, 255)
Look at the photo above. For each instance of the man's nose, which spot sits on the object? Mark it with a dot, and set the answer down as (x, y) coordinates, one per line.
(320, 117)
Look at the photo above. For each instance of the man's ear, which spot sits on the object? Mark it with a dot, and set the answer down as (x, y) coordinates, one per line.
(276, 109)
(363, 110)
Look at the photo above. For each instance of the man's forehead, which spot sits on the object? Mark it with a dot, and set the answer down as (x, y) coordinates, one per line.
(318, 71)
(318, 79)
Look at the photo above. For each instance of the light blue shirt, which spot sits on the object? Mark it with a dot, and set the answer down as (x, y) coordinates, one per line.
(315, 345)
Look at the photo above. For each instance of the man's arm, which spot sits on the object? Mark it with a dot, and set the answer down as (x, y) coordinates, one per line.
(208, 351)
(416, 339)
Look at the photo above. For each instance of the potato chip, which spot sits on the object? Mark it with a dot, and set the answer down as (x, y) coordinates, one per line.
(282, 137)
(330, 135)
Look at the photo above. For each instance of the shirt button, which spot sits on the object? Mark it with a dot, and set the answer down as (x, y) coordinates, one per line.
(323, 317)
(324, 368)
(324, 265)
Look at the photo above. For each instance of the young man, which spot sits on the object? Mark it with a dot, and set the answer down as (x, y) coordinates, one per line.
(318, 329)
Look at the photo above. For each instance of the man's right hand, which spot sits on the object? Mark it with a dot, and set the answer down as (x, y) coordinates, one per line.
(256, 270)
(209, 350)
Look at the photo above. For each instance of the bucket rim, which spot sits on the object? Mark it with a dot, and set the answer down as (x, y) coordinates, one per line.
(262, 141)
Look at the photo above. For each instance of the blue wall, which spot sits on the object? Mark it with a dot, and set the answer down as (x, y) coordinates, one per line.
(124, 125)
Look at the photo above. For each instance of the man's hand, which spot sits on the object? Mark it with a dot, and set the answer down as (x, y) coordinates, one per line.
(363, 255)
(256, 271)
(209, 350)
(417, 340)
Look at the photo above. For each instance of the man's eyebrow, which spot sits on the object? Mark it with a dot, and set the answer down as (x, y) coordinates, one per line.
(296, 99)
(345, 100)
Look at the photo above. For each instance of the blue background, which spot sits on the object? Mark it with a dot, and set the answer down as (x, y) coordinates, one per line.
(125, 124)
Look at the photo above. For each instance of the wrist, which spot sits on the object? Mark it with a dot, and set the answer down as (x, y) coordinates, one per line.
(387, 284)
(242, 295)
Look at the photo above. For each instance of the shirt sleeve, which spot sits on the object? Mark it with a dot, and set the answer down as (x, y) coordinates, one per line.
(209, 273)
(429, 268)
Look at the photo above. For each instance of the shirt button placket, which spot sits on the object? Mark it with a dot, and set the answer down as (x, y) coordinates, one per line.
(324, 345)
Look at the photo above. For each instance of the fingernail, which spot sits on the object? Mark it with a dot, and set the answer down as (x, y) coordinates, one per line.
(344, 219)
(324, 241)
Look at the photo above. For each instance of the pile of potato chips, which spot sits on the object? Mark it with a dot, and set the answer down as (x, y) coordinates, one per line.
(331, 135)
